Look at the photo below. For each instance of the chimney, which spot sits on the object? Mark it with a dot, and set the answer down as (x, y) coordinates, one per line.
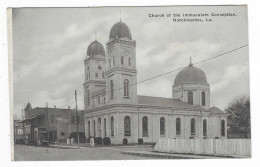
(68, 107)
(54, 106)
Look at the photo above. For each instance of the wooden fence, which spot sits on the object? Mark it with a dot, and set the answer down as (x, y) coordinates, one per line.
(220, 147)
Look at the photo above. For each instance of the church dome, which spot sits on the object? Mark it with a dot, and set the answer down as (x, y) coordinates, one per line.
(120, 30)
(95, 48)
(191, 74)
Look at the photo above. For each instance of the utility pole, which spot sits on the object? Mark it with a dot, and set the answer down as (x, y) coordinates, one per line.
(77, 116)
(46, 122)
(23, 125)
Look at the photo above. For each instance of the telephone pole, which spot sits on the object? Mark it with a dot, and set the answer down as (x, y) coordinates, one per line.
(47, 122)
(77, 116)
(23, 121)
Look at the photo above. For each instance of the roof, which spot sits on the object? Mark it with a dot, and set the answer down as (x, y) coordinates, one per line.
(120, 30)
(95, 48)
(216, 111)
(166, 102)
(191, 74)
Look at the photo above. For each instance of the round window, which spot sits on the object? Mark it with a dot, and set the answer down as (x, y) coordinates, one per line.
(100, 67)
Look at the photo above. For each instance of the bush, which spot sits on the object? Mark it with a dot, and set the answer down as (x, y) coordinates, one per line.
(98, 140)
(88, 140)
(125, 141)
(106, 141)
(140, 141)
(20, 141)
(82, 137)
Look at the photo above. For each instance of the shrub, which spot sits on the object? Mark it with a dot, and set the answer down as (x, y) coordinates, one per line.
(106, 141)
(88, 139)
(82, 137)
(125, 141)
(140, 141)
(98, 140)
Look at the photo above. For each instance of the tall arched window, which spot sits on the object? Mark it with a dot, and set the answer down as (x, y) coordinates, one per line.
(162, 126)
(129, 61)
(223, 130)
(192, 126)
(103, 75)
(145, 126)
(126, 88)
(204, 127)
(94, 128)
(110, 63)
(203, 98)
(190, 97)
(114, 61)
(88, 128)
(111, 89)
(99, 127)
(122, 60)
(112, 126)
(178, 126)
(105, 127)
(127, 126)
(88, 98)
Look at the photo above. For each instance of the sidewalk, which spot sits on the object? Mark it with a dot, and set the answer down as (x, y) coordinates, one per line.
(170, 156)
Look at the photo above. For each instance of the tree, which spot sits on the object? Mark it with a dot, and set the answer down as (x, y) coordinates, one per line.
(238, 112)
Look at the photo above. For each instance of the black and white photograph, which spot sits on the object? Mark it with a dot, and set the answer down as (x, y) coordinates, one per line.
(129, 83)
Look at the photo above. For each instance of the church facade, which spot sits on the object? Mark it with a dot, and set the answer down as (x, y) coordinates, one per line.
(114, 109)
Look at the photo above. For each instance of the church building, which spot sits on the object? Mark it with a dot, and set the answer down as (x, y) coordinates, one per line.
(114, 109)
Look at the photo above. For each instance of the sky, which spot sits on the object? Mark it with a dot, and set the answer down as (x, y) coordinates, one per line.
(50, 44)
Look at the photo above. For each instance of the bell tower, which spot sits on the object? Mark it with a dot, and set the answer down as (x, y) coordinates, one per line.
(94, 72)
(121, 66)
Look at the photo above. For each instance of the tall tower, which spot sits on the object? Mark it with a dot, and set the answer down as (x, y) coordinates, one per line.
(95, 63)
(121, 66)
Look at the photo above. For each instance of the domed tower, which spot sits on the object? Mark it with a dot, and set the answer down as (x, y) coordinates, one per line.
(121, 66)
(191, 86)
(95, 64)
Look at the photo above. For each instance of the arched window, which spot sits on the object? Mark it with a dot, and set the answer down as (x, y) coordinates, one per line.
(127, 126)
(96, 74)
(192, 126)
(99, 127)
(178, 126)
(103, 75)
(112, 126)
(145, 126)
(190, 97)
(88, 98)
(162, 126)
(122, 60)
(203, 98)
(129, 61)
(94, 128)
(88, 128)
(204, 127)
(114, 62)
(105, 127)
(110, 63)
(223, 130)
(111, 89)
(126, 88)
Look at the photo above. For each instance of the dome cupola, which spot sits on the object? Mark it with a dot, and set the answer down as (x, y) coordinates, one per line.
(120, 30)
(95, 48)
(191, 74)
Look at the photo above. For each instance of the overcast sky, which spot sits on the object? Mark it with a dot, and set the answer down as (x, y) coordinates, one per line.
(50, 44)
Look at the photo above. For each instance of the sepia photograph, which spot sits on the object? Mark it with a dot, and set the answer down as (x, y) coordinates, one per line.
(129, 83)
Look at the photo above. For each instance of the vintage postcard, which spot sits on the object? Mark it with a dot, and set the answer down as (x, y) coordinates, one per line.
(129, 83)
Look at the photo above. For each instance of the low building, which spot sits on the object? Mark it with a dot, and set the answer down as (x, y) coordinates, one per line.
(18, 130)
(51, 124)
